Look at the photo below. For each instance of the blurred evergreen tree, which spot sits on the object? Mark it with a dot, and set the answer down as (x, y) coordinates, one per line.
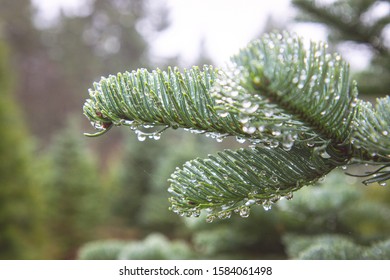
(363, 24)
(155, 246)
(334, 247)
(19, 210)
(337, 220)
(56, 61)
(73, 193)
(41, 88)
(337, 206)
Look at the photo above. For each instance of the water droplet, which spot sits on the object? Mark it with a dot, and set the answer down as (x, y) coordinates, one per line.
(219, 138)
(225, 215)
(252, 109)
(156, 136)
(267, 205)
(249, 130)
(325, 155)
(275, 198)
(344, 167)
(141, 137)
(234, 93)
(289, 196)
(385, 132)
(224, 114)
(240, 139)
(269, 113)
(273, 144)
(246, 104)
(287, 146)
(383, 184)
(276, 133)
(196, 213)
(250, 202)
(310, 144)
(244, 119)
(210, 218)
(244, 211)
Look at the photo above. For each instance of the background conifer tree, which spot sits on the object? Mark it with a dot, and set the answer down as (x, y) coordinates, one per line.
(19, 209)
(74, 198)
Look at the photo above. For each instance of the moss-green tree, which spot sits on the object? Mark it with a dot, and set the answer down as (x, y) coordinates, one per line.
(75, 202)
(18, 188)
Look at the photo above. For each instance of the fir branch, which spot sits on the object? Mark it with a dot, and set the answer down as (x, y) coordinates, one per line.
(372, 129)
(160, 99)
(296, 106)
(233, 181)
(371, 139)
(310, 87)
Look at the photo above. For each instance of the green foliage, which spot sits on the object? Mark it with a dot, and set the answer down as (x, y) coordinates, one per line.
(234, 181)
(19, 210)
(334, 247)
(370, 136)
(379, 251)
(101, 250)
(297, 107)
(74, 198)
(357, 22)
(323, 247)
(337, 206)
(154, 247)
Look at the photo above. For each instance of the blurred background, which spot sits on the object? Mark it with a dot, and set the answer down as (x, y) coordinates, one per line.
(65, 196)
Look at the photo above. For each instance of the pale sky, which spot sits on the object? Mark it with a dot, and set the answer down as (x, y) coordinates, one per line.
(224, 25)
